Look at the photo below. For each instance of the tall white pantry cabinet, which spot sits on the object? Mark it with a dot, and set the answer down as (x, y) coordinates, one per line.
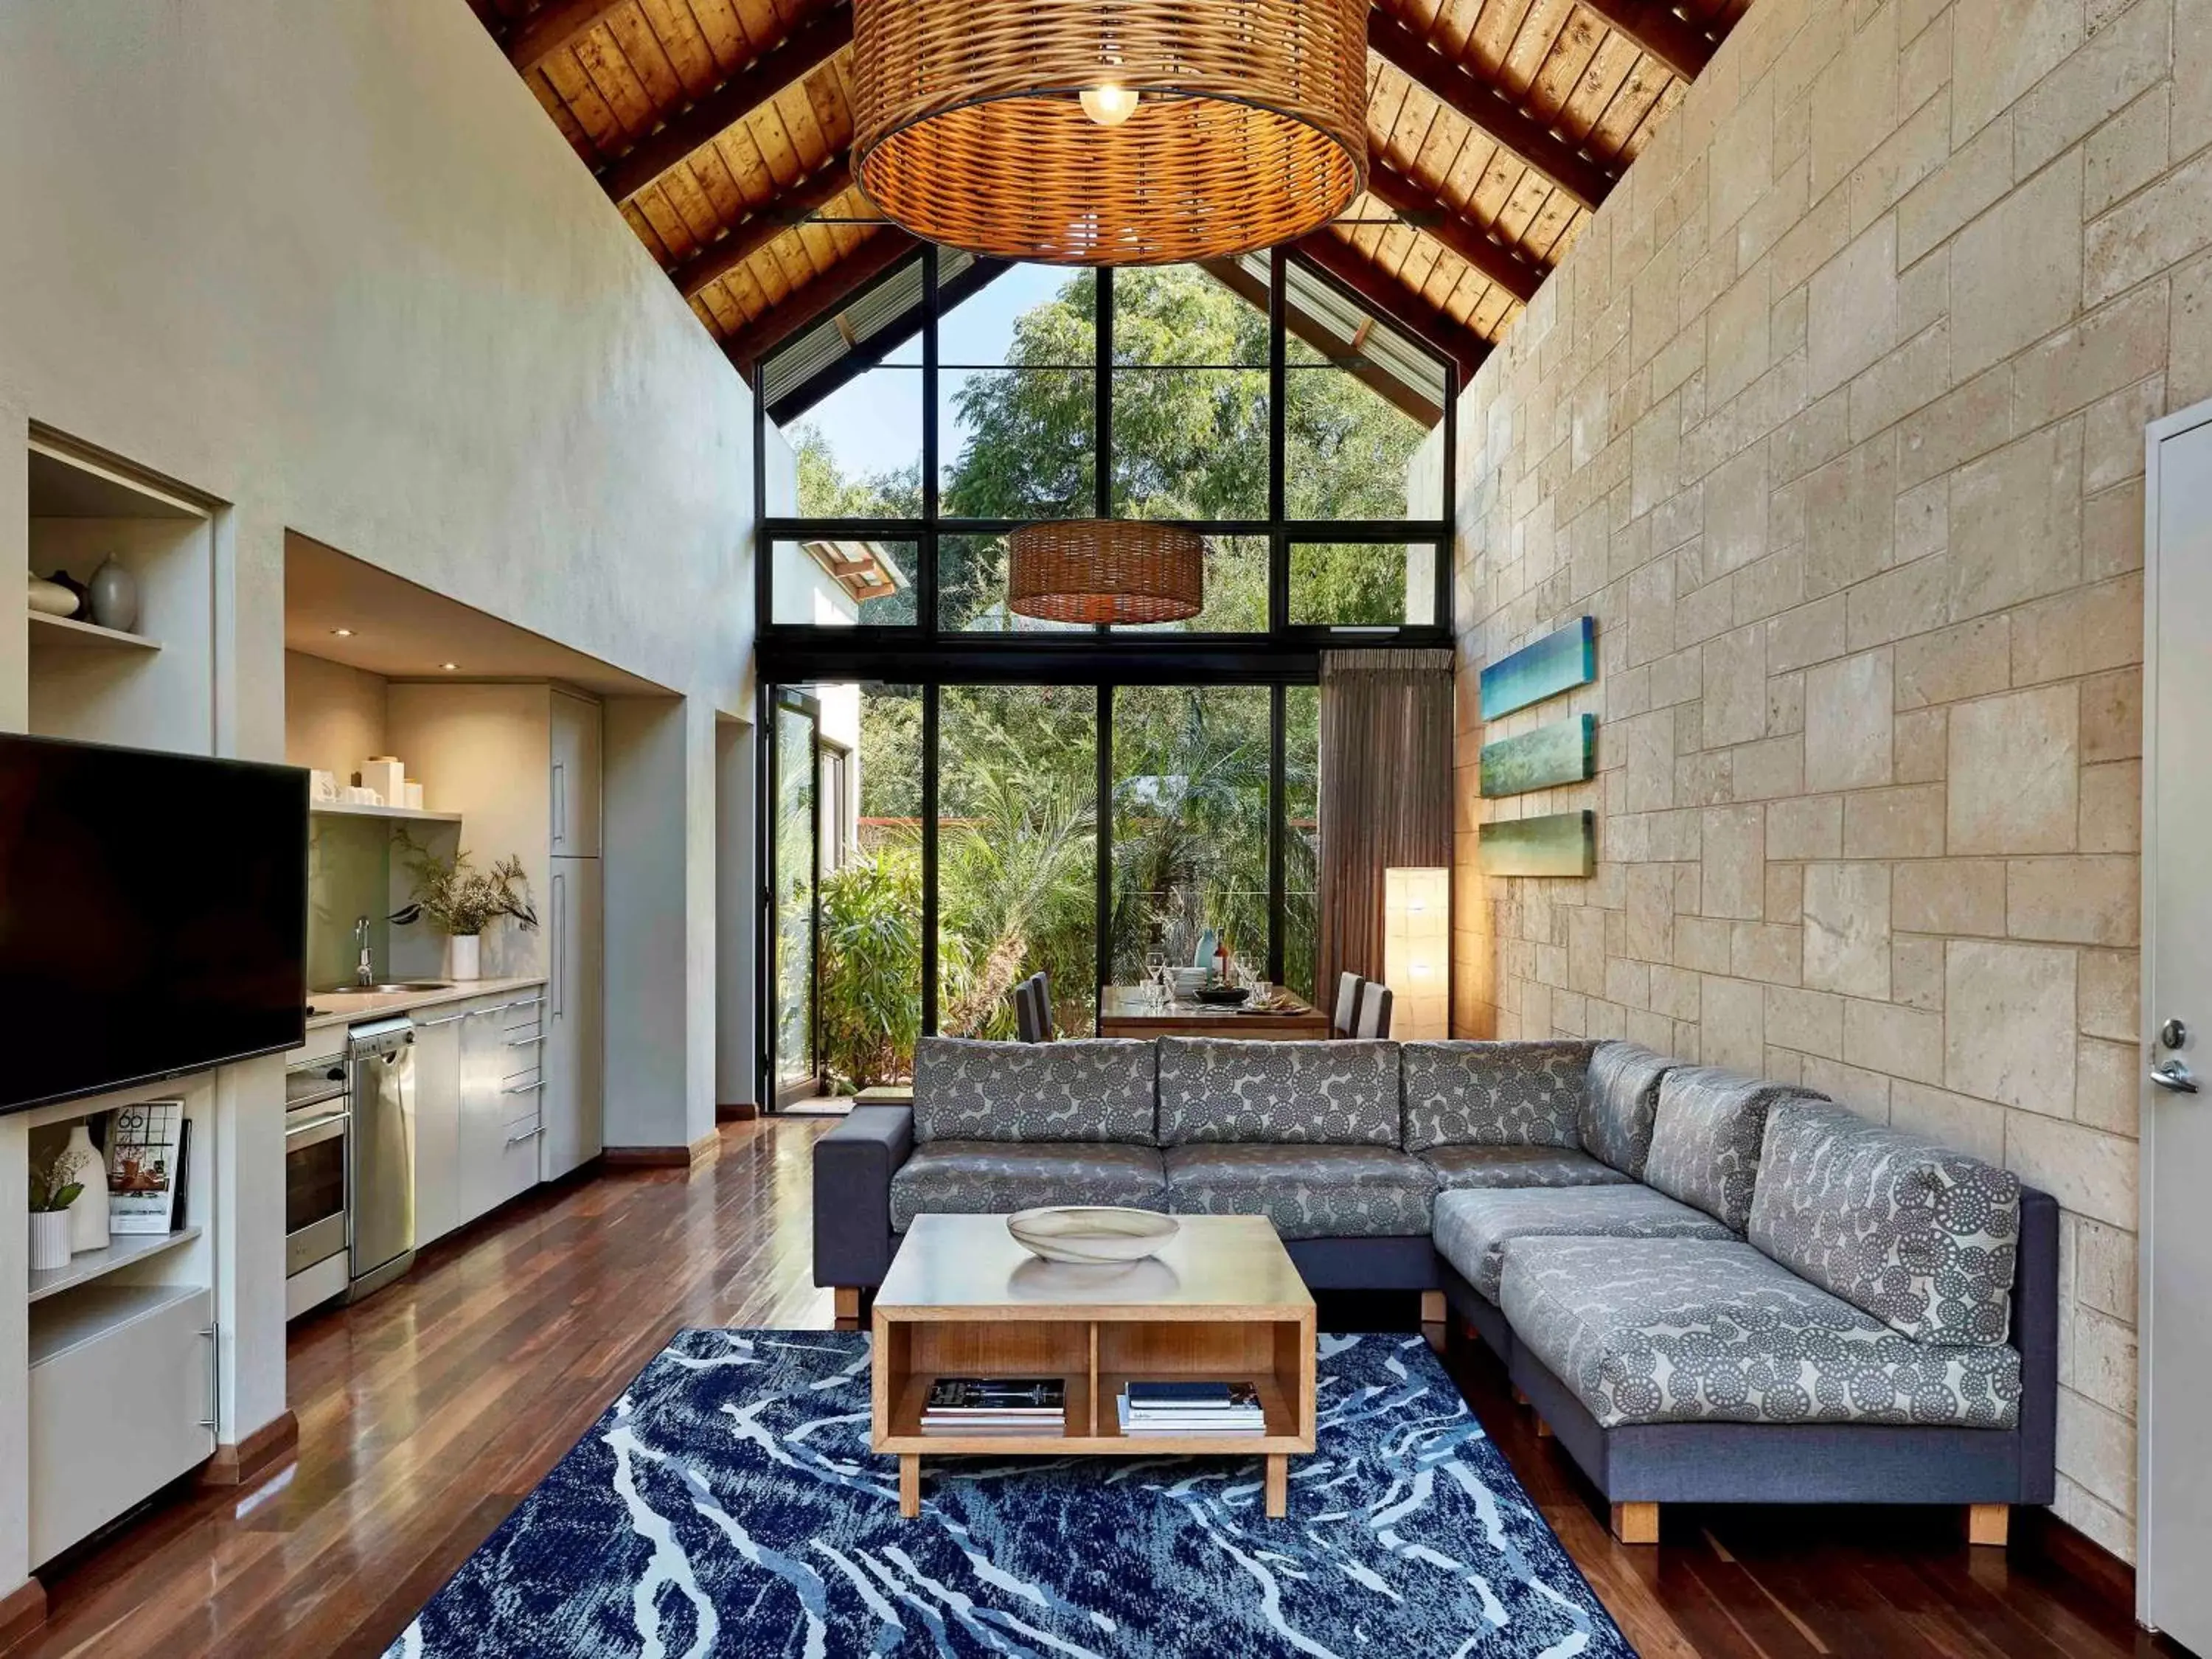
(520, 764)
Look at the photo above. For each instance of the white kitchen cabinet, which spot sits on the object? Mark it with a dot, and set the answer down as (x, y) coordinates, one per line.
(438, 1088)
(571, 1053)
(573, 784)
(495, 1165)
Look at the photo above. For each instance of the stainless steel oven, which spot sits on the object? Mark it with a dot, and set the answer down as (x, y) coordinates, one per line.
(317, 1116)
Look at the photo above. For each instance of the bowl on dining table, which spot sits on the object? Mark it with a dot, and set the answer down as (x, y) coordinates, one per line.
(1224, 996)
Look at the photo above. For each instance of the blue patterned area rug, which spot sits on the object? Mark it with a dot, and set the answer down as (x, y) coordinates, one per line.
(727, 1503)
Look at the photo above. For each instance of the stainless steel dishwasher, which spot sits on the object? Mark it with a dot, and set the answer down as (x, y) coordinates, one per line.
(381, 1152)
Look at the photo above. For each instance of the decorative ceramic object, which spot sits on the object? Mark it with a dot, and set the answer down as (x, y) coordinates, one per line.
(384, 775)
(115, 596)
(81, 1162)
(1209, 943)
(51, 599)
(50, 1240)
(323, 786)
(61, 578)
(1092, 1235)
(466, 956)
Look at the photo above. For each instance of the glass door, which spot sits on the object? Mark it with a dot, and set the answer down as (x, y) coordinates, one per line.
(794, 895)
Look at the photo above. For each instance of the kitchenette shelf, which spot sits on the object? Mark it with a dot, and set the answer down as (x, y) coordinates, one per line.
(126, 1248)
(67, 631)
(328, 808)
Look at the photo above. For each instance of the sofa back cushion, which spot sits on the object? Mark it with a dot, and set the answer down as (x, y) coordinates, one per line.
(1706, 1136)
(1923, 1239)
(1223, 1088)
(1090, 1088)
(1619, 1101)
(1492, 1094)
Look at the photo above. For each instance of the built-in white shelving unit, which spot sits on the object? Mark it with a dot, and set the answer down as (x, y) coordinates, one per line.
(406, 814)
(123, 1251)
(69, 633)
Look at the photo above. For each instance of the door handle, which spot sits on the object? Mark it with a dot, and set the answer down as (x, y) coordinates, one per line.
(213, 1419)
(2175, 1075)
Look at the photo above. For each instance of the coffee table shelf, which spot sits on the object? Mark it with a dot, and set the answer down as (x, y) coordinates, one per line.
(1221, 1303)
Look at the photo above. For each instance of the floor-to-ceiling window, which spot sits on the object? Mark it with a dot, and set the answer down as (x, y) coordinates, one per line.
(1029, 795)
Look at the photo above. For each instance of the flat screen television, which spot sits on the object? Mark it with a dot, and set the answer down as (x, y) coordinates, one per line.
(153, 915)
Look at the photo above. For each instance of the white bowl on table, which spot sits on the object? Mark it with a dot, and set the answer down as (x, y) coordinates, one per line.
(1091, 1235)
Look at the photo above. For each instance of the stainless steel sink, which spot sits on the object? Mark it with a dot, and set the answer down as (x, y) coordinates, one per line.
(385, 990)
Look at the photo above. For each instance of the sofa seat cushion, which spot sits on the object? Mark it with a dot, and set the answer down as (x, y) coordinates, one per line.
(1093, 1089)
(993, 1177)
(1228, 1089)
(1518, 1166)
(1620, 1100)
(1681, 1330)
(1492, 1094)
(1308, 1192)
(1472, 1226)
(1706, 1135)
(1923, 1238)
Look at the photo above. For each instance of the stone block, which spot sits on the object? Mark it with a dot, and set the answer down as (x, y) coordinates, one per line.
(2009, 1015)
(2091, 1173)
(1916, 971)
(2126, 152)
(2081, 901)
(1851, 311)
(1978, 174)
(1974, 1127)
(2014, 773)
(1809, 634)
(2108, 1086)
(1905, 599)
(1846, 930)
(1919, 746)
(1969, 660)
(2111, 1002)
(2113, 346)
(2011, 44)
(1899, 823)
(2112, 531)
(2016, 271)
(1735, 858)
(1768, 953)
(1903, 1043)
(2083, 632)
(1732, 1024)
(1810, 1022)
(2112, 438)
(1957, 427)
(1808, 827)
(2156, 228)
(1785, 893)
(2114, 65)
(2016, 523)
(2111, 807)
(1847, 720)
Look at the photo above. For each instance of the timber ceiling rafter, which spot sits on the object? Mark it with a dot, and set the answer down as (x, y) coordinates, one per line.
(721, 130)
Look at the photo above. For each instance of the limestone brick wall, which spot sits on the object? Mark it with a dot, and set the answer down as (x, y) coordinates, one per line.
(1833, 419)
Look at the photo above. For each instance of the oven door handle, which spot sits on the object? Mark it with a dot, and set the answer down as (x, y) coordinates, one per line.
(314, 1133)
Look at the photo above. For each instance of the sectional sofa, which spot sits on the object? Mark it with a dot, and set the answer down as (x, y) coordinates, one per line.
(1712, 1288)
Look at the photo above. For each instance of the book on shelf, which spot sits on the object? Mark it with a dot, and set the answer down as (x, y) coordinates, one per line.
(995, 1404)
(146, 1145)
(1190, 1408)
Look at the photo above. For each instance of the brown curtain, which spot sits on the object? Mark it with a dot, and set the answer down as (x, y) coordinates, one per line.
(1386, 782)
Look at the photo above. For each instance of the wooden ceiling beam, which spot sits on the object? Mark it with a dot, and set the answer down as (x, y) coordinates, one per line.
(1657, 31)
(1493, 259)
(1460, 89)
(817, 300)
(557, 24)
(690, 130)
(1394, 301)
(1253, 290)
(758, 230)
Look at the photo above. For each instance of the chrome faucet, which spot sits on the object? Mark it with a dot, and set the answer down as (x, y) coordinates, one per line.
(364, 970)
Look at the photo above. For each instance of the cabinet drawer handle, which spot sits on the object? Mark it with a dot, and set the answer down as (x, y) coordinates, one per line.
(523, 1088)
(526, 1002)
(213, 1419)
(443, 1019)
(524, 1042)
(527, 1134)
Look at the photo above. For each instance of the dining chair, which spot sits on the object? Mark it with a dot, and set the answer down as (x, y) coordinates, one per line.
(1041, 1000)
(1374, 1009)
(1346, 1016)
(1027, 1026)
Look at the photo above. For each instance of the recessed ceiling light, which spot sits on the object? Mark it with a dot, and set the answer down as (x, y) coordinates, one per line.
(449, 667)
(342, 633)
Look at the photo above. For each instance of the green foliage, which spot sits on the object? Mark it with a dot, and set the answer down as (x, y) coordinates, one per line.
(871, 967)
(825, 492)
(456, 898)
(50, 1190)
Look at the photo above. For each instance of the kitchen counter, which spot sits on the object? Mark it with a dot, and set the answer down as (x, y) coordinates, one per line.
(351, 1008)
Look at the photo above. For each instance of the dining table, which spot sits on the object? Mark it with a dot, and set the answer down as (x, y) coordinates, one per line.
(1136, 1011)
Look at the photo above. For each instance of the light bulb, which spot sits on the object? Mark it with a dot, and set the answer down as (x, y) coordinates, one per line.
(1108, 104)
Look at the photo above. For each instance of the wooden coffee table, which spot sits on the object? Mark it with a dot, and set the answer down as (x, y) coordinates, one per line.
(1220, 1300)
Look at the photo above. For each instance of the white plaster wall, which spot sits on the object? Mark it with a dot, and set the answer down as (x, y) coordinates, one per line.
(330, 265)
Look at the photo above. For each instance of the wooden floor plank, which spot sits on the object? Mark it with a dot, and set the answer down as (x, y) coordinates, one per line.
(427, 1413)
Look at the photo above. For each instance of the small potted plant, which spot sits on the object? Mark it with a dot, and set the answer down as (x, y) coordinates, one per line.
(52, 1195)
(461, 901)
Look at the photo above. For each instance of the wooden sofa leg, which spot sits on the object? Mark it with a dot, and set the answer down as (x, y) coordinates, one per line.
(1989, 1523)
(846, 1299)
(1519, 1398)
(1543, 1430)
(1433, 1311)
(1636, 1523)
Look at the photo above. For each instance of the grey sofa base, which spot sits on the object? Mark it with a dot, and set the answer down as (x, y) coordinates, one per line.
(1819, 1462)
(1365, 1264)
(1478, 1310)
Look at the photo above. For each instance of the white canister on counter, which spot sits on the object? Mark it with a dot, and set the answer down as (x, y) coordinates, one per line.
(384, 775)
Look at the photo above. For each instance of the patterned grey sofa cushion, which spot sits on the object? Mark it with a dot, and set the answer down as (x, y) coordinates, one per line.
(1678, 1330)
(1923, 1238)
(995, 1177)
(1459, 1167)
(1091, 1088)
(1471, 1227)
(1492, 1094)
(1705, 1139)
(1308, 1192)
(1621, 1098)
(1222, 1089)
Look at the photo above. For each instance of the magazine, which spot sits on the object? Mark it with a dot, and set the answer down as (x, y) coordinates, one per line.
(145, 1157)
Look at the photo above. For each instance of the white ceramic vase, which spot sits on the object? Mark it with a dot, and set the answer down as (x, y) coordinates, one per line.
(51, 599)
(50, 1240)
(115, 596)
(81, 1162)
(466, 956)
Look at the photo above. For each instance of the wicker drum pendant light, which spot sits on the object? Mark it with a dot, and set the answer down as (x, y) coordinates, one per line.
(1106, 570)
(1110, 132)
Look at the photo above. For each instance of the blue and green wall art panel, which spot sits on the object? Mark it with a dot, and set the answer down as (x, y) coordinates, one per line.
(1557, 844)
(1565, 751)
(1558, 662)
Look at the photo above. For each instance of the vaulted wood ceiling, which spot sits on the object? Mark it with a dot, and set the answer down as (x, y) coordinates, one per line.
(721, 129)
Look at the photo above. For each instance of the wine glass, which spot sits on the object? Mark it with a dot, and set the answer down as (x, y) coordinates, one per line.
(1156, 974)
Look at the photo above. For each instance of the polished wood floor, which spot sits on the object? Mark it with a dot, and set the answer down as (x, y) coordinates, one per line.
(427, 1413)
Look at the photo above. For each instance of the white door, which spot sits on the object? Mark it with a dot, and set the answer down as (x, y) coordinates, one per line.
(2175, 1592)
(571, 1054)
